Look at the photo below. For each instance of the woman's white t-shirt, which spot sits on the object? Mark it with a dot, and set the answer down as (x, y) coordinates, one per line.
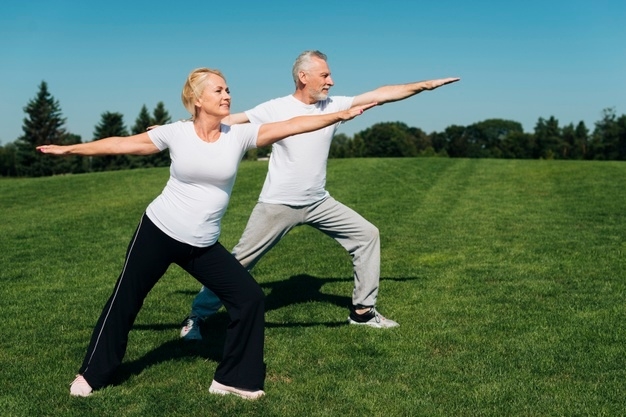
(202, 174)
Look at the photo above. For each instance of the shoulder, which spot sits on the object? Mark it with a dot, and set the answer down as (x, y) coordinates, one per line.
(335, 103)
(241, 130)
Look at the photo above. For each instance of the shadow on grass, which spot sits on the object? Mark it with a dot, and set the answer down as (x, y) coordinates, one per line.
(295, 290)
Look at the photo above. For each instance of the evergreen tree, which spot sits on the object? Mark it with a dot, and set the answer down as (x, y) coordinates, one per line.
(142, 122)
(609, 137)
(160, 116)
(111, 124)
(548, 139)
(43, 126)
(7, 160)
(581, 141)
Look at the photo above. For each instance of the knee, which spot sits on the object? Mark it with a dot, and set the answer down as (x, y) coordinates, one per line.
(371, 233)
(254, 296)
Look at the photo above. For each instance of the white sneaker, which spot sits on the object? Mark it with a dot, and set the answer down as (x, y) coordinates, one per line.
(191, 329)
(221, 389)
(80, 387)
(372, 318)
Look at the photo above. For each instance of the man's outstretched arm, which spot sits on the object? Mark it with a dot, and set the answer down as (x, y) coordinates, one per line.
(391, 93)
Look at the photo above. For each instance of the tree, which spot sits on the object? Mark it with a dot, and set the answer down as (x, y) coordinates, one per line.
(7, 160)
(487, 139)
(390, 139)
(339, 147)
(609, 137)
(581, 141)
(160, 116)
(43, 126)
(455, 142)
(574, 141)
(548, 139)
(142, 122)
(111, 124)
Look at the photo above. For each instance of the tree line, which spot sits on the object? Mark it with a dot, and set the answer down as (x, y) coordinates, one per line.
(492, 138)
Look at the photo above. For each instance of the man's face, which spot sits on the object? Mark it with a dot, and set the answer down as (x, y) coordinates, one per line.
(318, 80)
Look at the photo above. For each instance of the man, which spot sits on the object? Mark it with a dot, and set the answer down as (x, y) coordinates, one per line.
(294, 190)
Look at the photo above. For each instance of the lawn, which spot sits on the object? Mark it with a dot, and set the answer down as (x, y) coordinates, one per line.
(508, 279)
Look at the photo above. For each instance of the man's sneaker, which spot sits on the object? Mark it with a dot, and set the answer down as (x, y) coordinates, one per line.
(191, 329)
(221, 389)
(372, 318)
(80, 387)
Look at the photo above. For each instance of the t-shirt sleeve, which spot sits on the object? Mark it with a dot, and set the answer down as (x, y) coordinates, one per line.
(159, 136)
(339, 103)
(261, 113)
(247, 135)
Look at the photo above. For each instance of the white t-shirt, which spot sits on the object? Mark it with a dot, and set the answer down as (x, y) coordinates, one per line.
(202, 175)
(297, 169)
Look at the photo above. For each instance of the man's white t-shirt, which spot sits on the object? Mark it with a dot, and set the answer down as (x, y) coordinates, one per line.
(297, 168)
(202, 174)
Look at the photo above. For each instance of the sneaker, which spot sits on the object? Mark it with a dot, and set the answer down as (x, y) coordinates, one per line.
(372, 318)
(191, 329)
(221, 389)
(80, 387)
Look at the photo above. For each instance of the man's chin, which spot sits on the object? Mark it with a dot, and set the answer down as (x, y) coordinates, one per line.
(321, 96)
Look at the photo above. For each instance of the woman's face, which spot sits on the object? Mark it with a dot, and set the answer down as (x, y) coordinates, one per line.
(215, 98)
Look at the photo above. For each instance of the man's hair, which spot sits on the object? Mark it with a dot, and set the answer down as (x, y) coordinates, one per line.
(303, 63)
(194, 87)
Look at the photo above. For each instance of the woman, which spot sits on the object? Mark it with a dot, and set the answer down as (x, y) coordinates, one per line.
(182, 226)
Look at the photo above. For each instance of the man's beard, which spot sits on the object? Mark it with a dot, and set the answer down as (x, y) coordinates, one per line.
(320, 95)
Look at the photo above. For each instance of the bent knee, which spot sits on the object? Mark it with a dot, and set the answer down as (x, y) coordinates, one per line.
(371, 232)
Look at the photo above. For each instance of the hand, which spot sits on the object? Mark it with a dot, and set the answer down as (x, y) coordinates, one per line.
(356, 111)
(52, 149)
(432, 84)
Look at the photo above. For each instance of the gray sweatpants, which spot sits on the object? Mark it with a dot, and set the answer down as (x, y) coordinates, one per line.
(269, 223)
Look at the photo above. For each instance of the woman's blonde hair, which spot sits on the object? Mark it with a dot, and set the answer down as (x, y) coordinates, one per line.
(194, 87)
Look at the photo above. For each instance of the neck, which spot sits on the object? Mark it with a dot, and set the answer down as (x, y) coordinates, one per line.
(302, 96)
(207, 130)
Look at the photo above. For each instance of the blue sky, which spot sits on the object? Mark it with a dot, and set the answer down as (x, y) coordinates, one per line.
(517, 60)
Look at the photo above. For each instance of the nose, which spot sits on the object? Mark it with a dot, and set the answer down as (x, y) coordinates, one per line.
(329, 80)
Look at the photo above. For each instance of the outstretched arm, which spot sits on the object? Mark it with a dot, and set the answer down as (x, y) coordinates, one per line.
(235, 119)
(132, 145)
(273, 132)
(390, 93)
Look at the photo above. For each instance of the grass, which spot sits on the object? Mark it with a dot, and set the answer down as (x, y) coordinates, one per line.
(508, 280)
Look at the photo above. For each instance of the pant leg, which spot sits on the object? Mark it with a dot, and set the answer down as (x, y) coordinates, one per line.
(242, 363)
(268, 223)
(205, 304)
(148, 256)
(359, 237)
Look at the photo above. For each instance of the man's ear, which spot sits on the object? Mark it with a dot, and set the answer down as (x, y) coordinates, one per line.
(302, 77)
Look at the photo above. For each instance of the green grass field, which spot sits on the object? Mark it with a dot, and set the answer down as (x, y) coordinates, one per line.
(508, 279)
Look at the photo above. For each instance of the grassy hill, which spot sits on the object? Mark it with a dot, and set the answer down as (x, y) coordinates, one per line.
(508, 279)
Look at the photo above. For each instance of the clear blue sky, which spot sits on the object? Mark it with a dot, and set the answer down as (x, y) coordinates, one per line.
(517, 60)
